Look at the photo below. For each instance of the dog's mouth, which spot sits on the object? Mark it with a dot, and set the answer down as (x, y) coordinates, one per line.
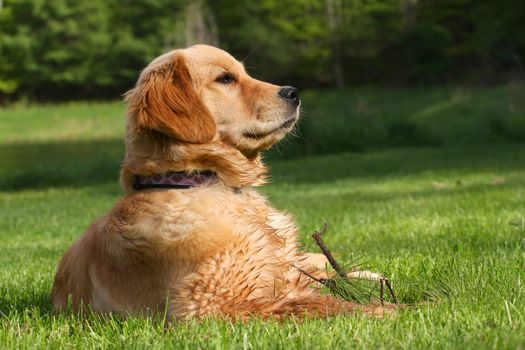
(257, 136)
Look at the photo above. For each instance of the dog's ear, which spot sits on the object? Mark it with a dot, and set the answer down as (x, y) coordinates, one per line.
(164, 100)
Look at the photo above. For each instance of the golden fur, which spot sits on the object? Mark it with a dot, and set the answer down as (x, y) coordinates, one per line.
(207, 250)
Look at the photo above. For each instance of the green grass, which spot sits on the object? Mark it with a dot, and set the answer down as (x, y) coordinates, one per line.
(91, 120)
(446, 224)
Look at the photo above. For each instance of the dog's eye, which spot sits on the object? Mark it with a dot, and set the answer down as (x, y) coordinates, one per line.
(226, 78)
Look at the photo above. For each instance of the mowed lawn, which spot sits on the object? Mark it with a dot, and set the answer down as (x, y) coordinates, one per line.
(446, 224)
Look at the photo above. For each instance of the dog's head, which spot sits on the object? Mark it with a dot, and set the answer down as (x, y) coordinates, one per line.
(202, 95)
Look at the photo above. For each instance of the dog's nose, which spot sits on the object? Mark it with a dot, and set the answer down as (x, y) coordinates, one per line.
(290, 94)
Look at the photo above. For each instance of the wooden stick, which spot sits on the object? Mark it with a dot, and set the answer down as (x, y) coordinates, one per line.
(320, 280)
(382, 291)
(319, 240)
(387, 282)
(340, 271)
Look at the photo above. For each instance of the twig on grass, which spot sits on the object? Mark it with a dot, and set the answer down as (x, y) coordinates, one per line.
(318, 236)
(346, 289)
(386, 281)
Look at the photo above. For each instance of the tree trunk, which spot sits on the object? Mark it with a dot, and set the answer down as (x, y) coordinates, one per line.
(408, 8)
(201, 27)
(333, 12)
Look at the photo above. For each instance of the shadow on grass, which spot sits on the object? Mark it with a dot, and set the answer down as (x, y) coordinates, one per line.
(384, 197)
(88, 162)
(36, 300)
(60, 164)
(394, 162)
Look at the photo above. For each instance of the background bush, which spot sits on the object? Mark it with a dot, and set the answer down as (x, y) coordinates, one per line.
(68, 49)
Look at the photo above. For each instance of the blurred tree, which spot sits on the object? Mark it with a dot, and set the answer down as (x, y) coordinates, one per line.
(369, 28)
(200, 25)
(71, 49)
(80, 49)
(49, 46)
(334, 14)
(140, 31)
(499, 35)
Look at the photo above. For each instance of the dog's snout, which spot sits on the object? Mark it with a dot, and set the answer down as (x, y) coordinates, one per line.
(290, 94)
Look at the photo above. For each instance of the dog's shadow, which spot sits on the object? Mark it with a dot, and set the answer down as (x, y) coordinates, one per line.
(38, 301)
(41, 165)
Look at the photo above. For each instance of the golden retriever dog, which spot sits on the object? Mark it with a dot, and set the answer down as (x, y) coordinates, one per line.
(192, 237)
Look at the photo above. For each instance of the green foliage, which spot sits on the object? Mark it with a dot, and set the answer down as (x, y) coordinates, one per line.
(51, 46)
(68, 49)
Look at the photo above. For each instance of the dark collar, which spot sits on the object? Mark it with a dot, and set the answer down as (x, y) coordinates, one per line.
(174, 180)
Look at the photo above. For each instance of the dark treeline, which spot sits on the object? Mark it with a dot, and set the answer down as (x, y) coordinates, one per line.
(70, 49)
